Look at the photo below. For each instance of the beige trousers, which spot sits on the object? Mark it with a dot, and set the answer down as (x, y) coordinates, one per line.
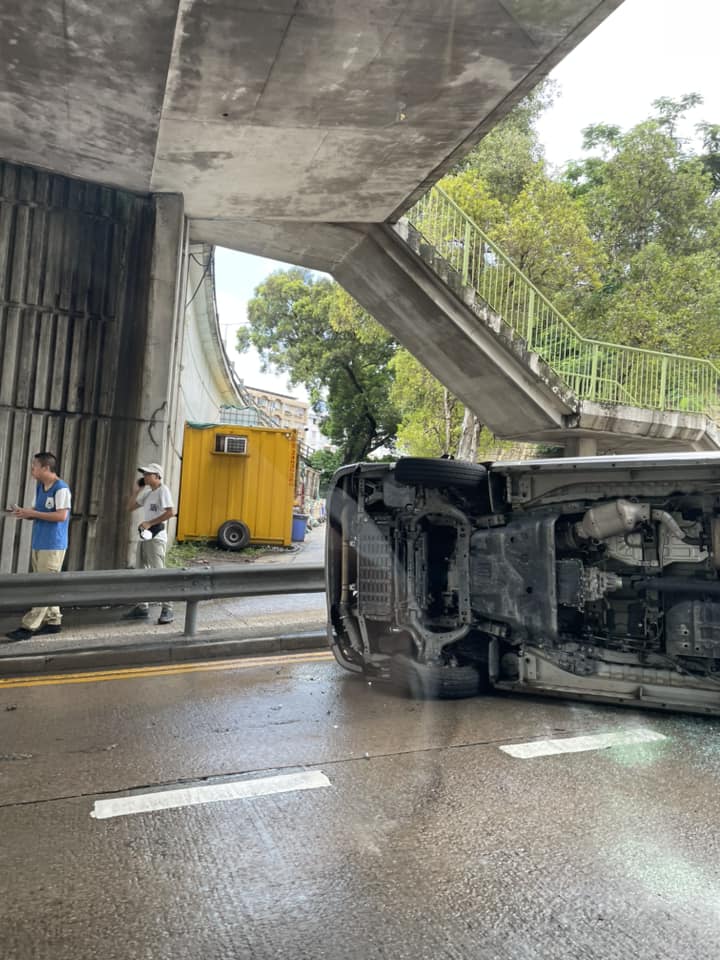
(151, 556)
(44, 561)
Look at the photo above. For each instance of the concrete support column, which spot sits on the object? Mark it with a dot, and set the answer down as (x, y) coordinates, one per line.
(581, 447)
(159, 356)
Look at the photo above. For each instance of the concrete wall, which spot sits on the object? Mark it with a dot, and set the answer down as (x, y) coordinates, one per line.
(204, 379)
(207, 378)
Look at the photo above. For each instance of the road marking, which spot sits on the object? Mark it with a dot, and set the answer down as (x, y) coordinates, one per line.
(164, 670)
(208, 793)
(595, 741)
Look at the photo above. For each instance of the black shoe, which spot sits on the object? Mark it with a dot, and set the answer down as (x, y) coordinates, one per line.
(49, 628)
(166, 616)
(22, 633)
(137, 613)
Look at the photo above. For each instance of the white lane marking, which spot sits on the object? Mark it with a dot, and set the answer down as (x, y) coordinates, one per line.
(208, 793)
(595, 741)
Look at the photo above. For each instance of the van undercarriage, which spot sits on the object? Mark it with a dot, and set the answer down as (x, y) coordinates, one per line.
(592, 578)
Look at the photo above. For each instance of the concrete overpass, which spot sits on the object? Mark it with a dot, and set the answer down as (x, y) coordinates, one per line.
(281, 127)
(283, 110)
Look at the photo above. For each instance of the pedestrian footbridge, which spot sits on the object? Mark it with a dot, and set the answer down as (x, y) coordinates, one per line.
(479, 324)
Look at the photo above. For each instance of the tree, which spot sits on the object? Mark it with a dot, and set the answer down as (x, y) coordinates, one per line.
(309, 327)
(664, 303)
(649, 202)
(511, 155)
(504, 187)
(546, 235)
(431, 416)
(326, 462)
(710, 133)
(647, 191)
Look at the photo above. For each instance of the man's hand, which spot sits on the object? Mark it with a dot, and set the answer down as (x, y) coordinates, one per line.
(23, 513)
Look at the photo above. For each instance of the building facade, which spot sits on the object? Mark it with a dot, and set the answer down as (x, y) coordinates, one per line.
(286, 411)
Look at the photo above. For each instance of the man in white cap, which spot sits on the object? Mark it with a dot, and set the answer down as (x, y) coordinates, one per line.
(155, 500)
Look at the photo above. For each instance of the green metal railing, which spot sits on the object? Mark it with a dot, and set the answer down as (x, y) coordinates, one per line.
(594, 370)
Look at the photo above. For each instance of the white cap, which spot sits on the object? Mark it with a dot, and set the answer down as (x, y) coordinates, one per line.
(152, 468)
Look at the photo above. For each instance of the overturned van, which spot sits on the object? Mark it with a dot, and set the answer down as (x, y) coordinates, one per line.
(592, 578)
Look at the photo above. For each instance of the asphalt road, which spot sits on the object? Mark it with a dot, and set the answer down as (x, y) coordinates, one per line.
(396, 829)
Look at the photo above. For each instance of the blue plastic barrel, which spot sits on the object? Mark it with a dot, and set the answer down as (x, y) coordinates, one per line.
(299, 525)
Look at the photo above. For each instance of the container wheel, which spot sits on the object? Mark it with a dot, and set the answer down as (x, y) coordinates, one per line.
(429, 681)
(234, 535)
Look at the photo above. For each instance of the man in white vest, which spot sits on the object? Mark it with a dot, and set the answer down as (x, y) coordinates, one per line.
(155, 500)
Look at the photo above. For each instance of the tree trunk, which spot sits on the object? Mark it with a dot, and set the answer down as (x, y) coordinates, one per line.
(469, 434)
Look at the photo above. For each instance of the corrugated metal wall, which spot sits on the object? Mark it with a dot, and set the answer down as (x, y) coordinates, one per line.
(74, 275)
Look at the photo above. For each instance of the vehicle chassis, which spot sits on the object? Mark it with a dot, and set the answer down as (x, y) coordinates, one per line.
(589, 578)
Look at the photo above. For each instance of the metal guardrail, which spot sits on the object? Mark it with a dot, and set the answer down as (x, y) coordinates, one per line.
(102, 587)
(593, 369)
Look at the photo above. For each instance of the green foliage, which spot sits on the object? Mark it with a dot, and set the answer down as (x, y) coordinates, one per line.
(431, 416)
(511, 155)
(604, 136)
(668, 111)
(474, 198)
(649, 205)
(546, 235)
(710, 159)
(664, 303)
(326, 462)
(311, 328)
(647, 191)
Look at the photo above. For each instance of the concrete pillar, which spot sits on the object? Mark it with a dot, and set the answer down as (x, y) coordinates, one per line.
(581, 447)
(159, 356)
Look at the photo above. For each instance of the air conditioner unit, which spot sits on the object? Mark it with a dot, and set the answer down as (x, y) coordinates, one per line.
(230, 444)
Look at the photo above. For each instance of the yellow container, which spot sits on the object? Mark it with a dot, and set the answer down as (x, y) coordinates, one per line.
(237, 484)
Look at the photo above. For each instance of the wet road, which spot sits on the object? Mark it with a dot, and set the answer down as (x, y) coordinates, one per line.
(422, 838)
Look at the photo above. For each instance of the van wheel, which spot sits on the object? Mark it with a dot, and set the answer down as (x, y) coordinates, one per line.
(430, 681)
(233, 535)
(429, 472)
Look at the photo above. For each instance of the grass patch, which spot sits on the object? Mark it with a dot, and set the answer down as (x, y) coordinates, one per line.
(201, 551)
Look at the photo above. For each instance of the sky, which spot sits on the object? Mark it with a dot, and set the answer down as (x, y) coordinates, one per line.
(236, 277)
(646, 49)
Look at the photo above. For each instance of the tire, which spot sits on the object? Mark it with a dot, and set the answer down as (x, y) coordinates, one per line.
(439, 473)
(233, 535)
(423, 681)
